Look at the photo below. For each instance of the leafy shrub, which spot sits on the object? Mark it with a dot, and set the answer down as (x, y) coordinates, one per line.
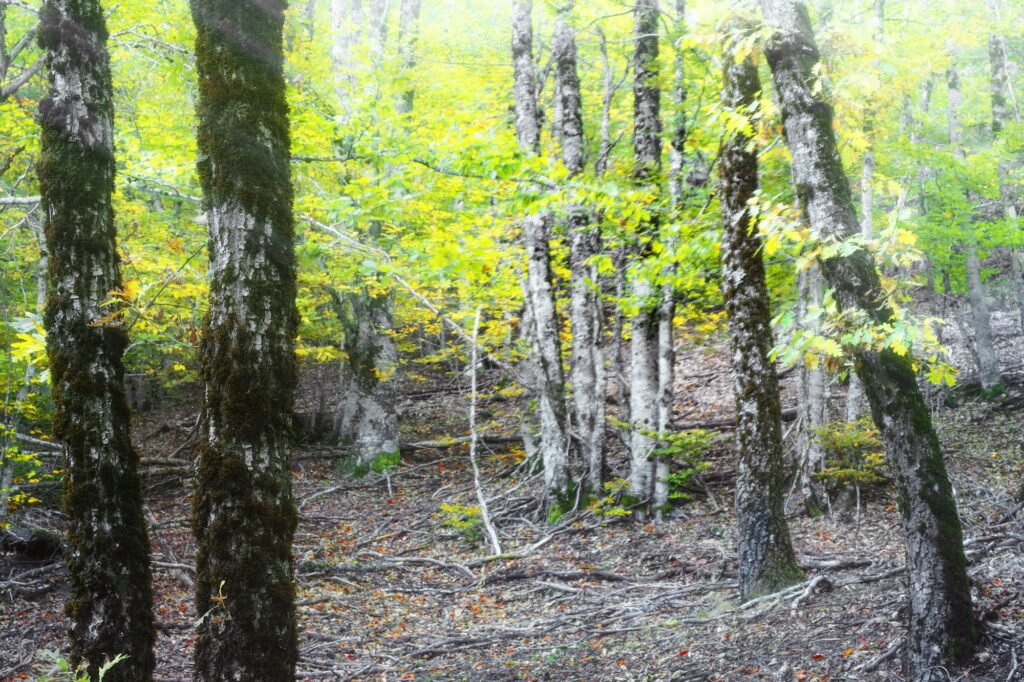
(854, 456)
(465, 520)
(685, 450)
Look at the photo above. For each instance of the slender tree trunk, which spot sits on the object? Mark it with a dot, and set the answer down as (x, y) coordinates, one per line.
(408, 33)
(644, 385)
(767, 561)
(667, 307)
(525, 87)
(554, 442)
(588, 377)
(811, 403)
(1001, 85)
(988, 363)
(245, 516)
(346, 30)
(111, 600)
(539, 298)
(855, 393)
(943, 629)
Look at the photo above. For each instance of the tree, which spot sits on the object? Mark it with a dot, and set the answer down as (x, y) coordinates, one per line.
(984, 349)
(110, 606)
(644, 385)
(545, 374)
(942, 627)
(767, 561)
(244, 513)
(585, 316)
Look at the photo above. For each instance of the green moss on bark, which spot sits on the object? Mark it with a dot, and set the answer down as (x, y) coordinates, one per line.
(244, 514)
(111, 597)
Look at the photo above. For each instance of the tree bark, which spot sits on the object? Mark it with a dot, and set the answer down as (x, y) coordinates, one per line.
(538, 294)
(942, 626)
(988, 362)
(587, 374)
(767, 561)
(812, 407)
(244, 512)
(111, 600)
(369, 421)
(644, 384)
(525, 87)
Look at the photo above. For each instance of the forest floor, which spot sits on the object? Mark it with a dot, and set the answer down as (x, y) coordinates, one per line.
(389, 591)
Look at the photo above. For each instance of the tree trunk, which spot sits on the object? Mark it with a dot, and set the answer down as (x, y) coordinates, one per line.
(408, 32)
(811, 400)
(667, 307)
(525, 88)
(767, 561)
(943, 629)
(245, 515)
(988, 363)
(539, 297)
(369, 421)
(111, 600)
(644, 382)
(588, 376)
(554, 442)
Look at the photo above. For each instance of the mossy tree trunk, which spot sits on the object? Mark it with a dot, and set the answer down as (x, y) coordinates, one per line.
(244, 513)
(110, 605)
(588, 375)
(943, 629)
(767, 561)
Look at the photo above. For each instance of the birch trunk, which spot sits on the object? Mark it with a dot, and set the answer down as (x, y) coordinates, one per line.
(644, 382)
(942, 625)
(767, 561)
(588, 377)
(111, 595)
(244, 513)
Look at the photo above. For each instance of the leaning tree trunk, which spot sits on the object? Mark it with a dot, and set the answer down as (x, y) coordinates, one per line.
(588, 377)
(643, 404)
(244, 513)
(111, 600)
(767, 561)
(943, 629)
(538, 294)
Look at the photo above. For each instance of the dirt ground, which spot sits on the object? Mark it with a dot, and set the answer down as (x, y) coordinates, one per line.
(389, 591)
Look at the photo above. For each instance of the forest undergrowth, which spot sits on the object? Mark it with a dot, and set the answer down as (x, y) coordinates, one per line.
(396, 580)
